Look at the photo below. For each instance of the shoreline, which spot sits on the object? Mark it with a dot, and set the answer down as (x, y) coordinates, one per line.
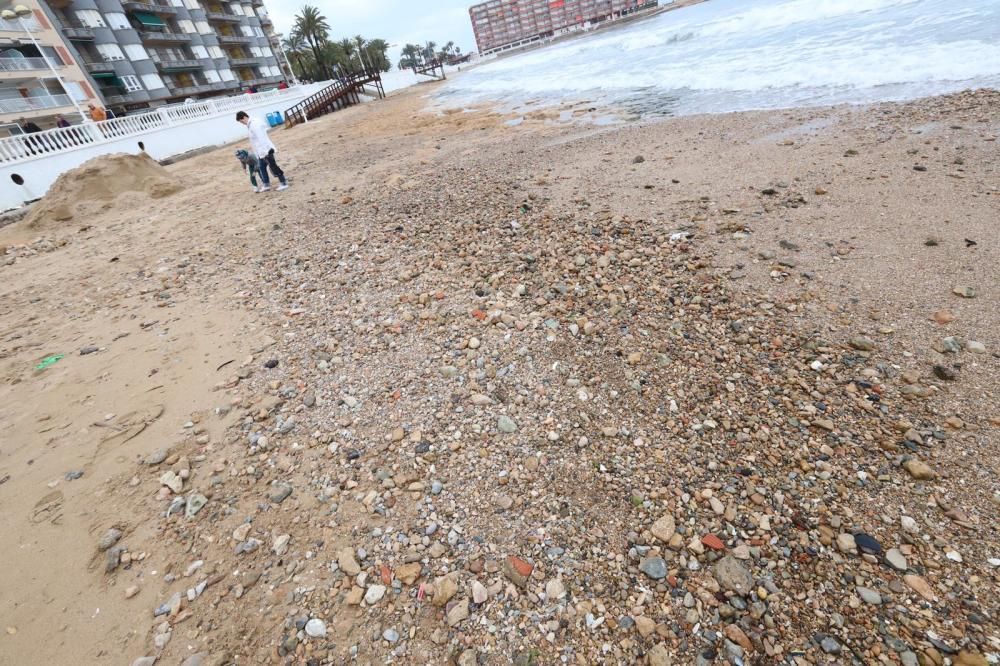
(525, 342)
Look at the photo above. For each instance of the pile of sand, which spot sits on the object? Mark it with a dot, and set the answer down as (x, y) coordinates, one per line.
(96, 184)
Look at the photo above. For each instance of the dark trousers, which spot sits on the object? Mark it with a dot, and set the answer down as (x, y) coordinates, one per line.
(268, 162)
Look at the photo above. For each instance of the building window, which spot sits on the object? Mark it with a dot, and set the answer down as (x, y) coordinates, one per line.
(203, 27)
(75, 90)
(212, 76)
(117, 21)
(110, 52)
(247, 32)
(130, 83)
(186, 26)
(216, 52)
(227, 75)
(152, 81)
(135, 52)
(90, 18)
(199, 51)
(192, 4)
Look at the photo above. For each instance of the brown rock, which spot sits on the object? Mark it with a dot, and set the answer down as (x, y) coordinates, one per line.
(943, 317)
(644, 626)
(355, 596)
(920, 586)
(408, 573)
(664, 528)
(349, 565)
(919, 470)
(736, 635)
(658, 656)
(445, 588)
(965, 658)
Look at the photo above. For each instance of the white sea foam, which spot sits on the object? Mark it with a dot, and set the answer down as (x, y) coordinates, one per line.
(726, 55)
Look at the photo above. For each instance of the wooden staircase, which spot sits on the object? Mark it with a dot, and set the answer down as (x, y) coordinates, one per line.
(345, 92)
(434, 69)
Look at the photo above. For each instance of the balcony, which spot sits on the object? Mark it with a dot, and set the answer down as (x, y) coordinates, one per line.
(176, 64)
(154, 37)
(224, 17)
(237, 62)
(26, 104)
(78, 32)
(149, 8)
(96, 67)
(265, 19)
(15, 26)
(264, 80)
(23, 64)
(180, 91)
(234, 39)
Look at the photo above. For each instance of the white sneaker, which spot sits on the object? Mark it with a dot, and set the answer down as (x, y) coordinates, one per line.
(266, 188)
(283, 186)
(256, 190)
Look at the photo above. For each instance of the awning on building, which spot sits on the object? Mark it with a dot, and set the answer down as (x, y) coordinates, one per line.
(149, 20)
(104, 75)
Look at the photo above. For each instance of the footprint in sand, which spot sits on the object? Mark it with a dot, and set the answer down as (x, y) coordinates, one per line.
(127, 427)
(49, 509)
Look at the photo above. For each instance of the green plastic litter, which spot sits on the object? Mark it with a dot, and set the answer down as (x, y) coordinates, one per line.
(51, 360)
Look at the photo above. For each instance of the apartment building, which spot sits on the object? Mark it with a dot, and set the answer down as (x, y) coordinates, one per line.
(33, 57)
(501, 25)
(146, 53)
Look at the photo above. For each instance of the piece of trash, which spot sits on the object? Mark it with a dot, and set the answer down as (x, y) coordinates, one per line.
(970, 243)
(50, 361)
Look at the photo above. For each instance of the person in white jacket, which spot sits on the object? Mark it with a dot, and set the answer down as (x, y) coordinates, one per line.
(262, 147)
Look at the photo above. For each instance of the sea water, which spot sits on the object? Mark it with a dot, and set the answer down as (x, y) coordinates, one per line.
(732, 55)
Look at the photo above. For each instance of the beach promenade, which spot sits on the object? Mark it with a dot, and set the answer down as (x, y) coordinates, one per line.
(713, 388)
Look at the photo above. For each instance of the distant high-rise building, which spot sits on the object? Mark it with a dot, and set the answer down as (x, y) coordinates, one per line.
(501, 25)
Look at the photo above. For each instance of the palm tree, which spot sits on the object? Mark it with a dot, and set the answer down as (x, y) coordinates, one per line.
(376, 50)
(410, 56)
(428, 53)
(315, 30)
(294, 46)
(348, 49)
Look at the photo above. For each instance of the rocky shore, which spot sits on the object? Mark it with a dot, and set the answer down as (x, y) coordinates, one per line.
(713, 390)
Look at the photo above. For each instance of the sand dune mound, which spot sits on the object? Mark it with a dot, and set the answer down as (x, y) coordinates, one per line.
(96, 184)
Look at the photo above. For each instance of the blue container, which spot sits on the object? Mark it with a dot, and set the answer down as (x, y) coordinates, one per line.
(274, 118)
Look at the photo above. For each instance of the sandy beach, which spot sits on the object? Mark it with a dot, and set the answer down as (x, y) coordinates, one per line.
(715, 389)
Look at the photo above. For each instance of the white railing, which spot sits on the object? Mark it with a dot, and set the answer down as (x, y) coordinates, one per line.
(22, 104)
(22, 64)
(42, 144)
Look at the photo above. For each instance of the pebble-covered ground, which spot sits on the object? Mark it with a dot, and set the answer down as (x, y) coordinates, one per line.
(546, 395)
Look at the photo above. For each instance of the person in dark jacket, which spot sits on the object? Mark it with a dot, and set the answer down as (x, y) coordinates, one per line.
(28, 127)
(250, 163)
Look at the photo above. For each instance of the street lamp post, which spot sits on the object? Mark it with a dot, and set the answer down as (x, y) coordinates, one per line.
(20, 12)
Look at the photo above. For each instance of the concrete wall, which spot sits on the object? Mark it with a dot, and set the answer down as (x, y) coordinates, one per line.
(37, 174)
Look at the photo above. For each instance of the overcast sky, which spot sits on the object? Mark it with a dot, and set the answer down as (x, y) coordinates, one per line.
(396, 21)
